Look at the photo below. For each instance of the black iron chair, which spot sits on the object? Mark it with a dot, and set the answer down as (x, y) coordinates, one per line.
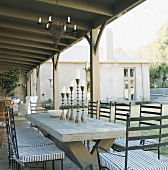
(93, 109)
(105, 110)
(151, 110)
(39, 107)
(22, 155)
(145, 110)
(120, 116)
(93, 113)
(134, 157)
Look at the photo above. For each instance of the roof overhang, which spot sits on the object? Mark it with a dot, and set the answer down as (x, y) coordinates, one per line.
(23, 45)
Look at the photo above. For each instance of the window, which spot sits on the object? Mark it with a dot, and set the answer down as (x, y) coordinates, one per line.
(129, 84)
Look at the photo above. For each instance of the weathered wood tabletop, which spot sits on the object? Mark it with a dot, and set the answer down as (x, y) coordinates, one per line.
(69, 136)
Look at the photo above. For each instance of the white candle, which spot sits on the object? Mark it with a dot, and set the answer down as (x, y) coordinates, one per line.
(65, 28)
(51, 77)
(68, 90)
(77, 74)
(49, 19)
(83, 83)
(63, 89)
(69, 20)
(72, 83)
(74, 27)
(40, 20)
(47, 26)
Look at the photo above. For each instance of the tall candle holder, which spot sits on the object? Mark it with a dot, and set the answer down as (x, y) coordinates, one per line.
(77, 119)
(68, 111)
(71, 115)
(62, 117)
(83, 117)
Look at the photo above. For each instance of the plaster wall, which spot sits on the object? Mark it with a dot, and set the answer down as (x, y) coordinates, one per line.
(111, 80)
(46, 88)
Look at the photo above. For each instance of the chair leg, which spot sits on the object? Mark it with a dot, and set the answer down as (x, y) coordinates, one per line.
(158, 153)
(88, 145)
(62, 164)
(53, 165)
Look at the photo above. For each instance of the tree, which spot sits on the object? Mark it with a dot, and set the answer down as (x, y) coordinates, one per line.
(9, 80)
(163, 70)
(163, 42)
(159, 71)
(154, 74)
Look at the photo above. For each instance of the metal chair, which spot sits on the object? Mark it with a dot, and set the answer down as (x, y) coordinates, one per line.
(93, 109)
(120, 116)
(22, 155)
(28, 137)
(38, 107)
(145, 110)
(92, 112)
(151, 110)
(105, 110)
(134, 157)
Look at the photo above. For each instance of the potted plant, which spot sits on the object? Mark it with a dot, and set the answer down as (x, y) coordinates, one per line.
(9, 80)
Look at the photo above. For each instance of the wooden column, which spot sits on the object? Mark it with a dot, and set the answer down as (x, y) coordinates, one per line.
(38, 83)
(55, 81)
(94, 40)
(28, 85)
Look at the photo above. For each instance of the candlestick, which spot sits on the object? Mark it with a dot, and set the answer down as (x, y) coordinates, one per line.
(68, 111)
(71, 115)
(78, 119)
(62, 117)
(83, 117)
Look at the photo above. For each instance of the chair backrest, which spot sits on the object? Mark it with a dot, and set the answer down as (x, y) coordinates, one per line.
(150, 110)
(147, 110)
(93, 109)
(121, 111)
(28, 100)
(40, 107)
(13, 134)
(105, 110)
(143, 132)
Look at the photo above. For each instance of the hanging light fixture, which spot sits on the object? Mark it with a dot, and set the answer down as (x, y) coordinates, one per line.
(55, 27)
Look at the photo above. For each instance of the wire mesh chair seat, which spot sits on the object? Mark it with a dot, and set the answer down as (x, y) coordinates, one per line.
(40, 153)
(25, 130)
(134, 157)
(31, 142)
(137, 160)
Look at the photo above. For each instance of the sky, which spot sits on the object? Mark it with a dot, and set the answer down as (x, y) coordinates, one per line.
(137, 27)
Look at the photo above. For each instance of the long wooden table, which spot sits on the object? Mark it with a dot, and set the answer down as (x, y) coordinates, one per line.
(69, 136)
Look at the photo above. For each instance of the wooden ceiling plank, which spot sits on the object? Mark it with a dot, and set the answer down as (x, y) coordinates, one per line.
(23, 54)
(16, 58)
(87, 6)
(34, 16)
(26, 49)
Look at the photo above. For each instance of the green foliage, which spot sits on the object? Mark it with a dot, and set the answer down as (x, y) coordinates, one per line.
(163, 42)
(9, 80)
(159, 71)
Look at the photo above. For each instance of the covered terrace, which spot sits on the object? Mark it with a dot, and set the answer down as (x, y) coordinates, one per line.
(23, 45)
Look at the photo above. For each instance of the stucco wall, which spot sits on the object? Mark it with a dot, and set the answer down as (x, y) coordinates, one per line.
(111, 80)
(112, 85)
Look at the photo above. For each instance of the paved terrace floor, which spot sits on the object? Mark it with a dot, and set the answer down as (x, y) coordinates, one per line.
(68, 164)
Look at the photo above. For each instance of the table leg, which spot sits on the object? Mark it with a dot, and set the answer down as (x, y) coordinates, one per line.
(78, 152)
